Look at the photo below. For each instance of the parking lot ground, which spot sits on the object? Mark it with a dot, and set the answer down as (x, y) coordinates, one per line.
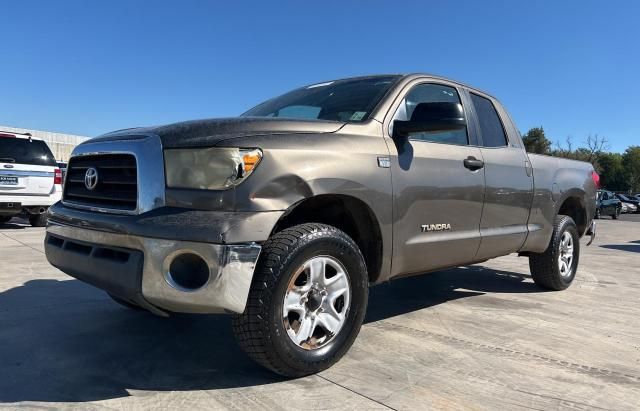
(482, 337)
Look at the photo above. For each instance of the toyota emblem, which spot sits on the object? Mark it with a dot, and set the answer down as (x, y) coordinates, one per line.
(91, 178)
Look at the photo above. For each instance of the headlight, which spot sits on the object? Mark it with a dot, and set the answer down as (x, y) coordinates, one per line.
(209, 168)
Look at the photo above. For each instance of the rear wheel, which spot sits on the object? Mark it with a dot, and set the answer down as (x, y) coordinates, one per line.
(556, 268)
(597, 215)
(307, 300)
(38, 220)
(616, 214)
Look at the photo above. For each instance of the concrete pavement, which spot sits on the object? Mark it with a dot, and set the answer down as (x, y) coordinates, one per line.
(483, 337)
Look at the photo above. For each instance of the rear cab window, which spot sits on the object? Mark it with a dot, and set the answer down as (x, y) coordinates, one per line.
(491, 128)
(25, 151)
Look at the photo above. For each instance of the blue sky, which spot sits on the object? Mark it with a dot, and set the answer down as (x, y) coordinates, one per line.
(88, 67)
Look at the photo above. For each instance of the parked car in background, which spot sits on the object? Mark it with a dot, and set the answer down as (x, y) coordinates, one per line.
(631, 203)
(608, 204)
(30, 180)
(623, 208)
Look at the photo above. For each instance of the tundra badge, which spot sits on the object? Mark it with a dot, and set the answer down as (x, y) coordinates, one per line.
(435, 227)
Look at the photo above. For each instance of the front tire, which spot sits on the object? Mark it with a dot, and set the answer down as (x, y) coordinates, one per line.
(556, 268)
(307, 300)
(38, 220)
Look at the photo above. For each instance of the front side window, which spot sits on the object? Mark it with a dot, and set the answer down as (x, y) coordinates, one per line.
(490, 125)
(431, 93)
(350, 100)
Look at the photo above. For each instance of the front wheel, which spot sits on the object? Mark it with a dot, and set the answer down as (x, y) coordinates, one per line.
(307, 300)
(556, 268)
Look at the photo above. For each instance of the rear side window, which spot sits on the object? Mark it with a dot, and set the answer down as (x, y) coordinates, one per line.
(23, 151)
(490, 124)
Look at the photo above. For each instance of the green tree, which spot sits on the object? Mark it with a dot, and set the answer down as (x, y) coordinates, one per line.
(611, 170)
(631, 164)
(536, 142)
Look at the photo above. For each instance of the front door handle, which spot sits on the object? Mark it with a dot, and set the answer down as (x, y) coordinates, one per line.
(473, 163)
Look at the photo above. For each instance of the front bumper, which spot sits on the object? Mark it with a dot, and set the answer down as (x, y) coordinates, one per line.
(136, 268)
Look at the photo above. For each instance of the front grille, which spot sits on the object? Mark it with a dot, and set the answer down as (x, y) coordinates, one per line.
(117, 182)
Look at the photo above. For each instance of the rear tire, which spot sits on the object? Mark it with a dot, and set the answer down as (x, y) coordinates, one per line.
(556, 268)
(597, 215)
(295, 345)
(38, 220)
(615, 216)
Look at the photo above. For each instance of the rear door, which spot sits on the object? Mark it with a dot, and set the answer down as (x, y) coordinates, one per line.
(437, 199)
(508, 180)
(26, 167)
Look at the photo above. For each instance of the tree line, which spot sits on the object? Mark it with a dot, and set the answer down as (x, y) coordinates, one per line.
(618, 172)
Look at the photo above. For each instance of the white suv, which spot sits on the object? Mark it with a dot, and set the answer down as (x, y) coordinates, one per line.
(30, 180)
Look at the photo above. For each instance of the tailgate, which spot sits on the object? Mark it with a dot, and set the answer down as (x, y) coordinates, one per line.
(25, 179)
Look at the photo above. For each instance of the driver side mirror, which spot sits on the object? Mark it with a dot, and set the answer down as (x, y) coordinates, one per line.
(431, 117)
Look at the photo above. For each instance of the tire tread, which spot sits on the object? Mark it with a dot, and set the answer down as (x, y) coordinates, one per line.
(251, 327)
(543, 266)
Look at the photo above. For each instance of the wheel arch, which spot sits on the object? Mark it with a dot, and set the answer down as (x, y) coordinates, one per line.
(572, 205)
(347, 213)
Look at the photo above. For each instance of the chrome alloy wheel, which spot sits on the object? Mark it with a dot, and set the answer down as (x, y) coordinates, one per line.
(565, 258)
(316, 303)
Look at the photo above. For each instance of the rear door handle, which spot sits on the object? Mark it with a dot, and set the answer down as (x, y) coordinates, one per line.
(473, 163)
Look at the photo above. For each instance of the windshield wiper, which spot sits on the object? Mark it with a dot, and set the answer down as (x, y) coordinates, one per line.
(7, 160)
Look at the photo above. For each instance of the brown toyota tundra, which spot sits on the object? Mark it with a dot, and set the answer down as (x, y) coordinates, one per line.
(284, 216)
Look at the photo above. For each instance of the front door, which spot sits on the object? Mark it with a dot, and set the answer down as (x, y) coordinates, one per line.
(438, 196)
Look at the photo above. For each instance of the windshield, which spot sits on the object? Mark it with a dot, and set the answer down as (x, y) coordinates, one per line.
(350, 100)
(25, 151)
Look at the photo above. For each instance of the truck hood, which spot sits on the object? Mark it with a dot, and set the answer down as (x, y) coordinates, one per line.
(209, 132)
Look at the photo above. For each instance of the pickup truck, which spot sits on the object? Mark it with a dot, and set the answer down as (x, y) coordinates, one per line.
(284, 216)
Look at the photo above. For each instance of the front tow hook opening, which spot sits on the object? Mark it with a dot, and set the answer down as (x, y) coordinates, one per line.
(187, 272)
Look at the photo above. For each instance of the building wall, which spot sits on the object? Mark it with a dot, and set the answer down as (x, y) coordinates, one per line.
(61, 145)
